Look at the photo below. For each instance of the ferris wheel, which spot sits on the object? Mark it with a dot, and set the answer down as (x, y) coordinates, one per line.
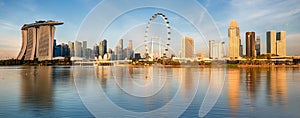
(168, 32)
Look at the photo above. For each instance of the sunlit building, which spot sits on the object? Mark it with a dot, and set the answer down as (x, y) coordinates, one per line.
(103, 47)
(71, 48)
(38, 40)
(187, 47)
(276, 43)
(281, 43)
(234, 42)
(271, 42)
(216, 50)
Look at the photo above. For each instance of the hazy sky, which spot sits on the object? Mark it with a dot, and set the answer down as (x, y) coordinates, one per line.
(255, 15)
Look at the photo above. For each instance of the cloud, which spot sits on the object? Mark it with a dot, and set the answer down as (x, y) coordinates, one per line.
(8, 25)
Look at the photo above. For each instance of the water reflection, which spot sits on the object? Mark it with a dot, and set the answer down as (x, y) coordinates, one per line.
(254, 81)
(234, 78)
(36, 88)
(276, 85)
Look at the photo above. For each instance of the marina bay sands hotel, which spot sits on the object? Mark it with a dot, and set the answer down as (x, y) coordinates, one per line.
(37, 40)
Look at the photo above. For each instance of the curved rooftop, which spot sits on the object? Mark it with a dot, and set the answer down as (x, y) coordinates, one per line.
(41, 23)
(233, 24)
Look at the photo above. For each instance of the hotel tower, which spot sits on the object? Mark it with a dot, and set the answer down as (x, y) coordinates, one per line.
(37, 40)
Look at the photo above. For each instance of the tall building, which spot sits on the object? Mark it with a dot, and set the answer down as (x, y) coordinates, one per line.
(103, 47)
(129, 51)
(119, 50)
(250, 44)
(211, 46)
(271, 42)
(234, 42)
(84, 49)
(276, 43)
(281, 43)
(96, 51)
(187, 47)
(78, 49)
(61, 50)
(129, 44)
(71, 48)
(257, 45)
(38, 40)
(216, 50)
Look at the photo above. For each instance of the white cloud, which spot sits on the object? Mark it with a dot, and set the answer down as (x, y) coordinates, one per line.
(8, 25)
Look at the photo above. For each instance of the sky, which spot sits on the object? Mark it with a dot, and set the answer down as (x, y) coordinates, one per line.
(192, 20)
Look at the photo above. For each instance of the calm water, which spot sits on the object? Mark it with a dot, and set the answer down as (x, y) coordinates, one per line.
(27, 91)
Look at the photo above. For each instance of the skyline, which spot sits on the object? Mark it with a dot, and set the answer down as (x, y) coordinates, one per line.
(249, 15)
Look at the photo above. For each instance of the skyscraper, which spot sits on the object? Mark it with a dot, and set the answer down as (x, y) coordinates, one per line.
(96, 51)
(257, 45)
(84, 49)
(271, 42)
(78, 49)
(103, 47)
(129, 44)
(71, 48)
(250, 44)
(129, 51)
(234, 40)
(276, 43)
(37, 40)
(211, 46)
(119, 50)
(281, 43)
(187, 47)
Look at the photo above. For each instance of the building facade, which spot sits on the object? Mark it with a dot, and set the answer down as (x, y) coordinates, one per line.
(281, 43)
(38, 40)
(257, 45)
(234, 42)
(276, 43)
(211, 45)
(250, 44)
(78, 49)
(103, 48)
(84, 49)
(187, 47)
(71, 48)
(271, 42)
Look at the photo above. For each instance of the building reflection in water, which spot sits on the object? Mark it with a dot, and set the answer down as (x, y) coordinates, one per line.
(273, 79)
(234, 83)
(102, 74)
(276, 85)
(36, 87)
